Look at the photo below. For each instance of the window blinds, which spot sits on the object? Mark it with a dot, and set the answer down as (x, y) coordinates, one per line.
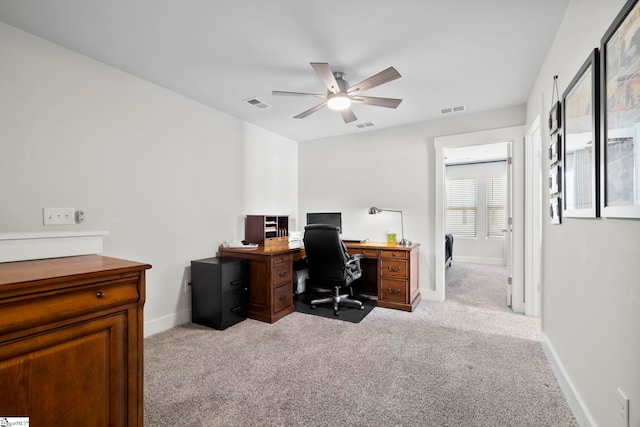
(462, 207)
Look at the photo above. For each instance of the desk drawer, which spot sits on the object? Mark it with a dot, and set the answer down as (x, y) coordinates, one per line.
(393, 268)
(282, 274)
(368, 253)
(393, 290)
(281, 259)
(394, 254)
(282, 297)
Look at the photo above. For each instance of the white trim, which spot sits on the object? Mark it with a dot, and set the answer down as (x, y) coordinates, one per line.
(165, 323)
(533, 219)
(479, 260)
(576, 404)
(39, 245)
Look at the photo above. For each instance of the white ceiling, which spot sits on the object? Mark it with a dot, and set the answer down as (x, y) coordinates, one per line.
(481, 54)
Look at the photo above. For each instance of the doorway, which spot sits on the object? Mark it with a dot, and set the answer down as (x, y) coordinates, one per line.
(513, 137)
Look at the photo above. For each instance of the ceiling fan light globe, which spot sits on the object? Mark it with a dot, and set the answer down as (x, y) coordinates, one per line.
(339, 101)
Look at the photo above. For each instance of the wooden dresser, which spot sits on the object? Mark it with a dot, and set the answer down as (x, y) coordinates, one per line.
(270, 280)
(71, 341)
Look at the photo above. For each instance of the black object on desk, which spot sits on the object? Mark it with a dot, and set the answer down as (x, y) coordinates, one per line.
(219, 291)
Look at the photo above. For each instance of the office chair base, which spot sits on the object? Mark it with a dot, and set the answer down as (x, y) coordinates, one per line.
(336, 300)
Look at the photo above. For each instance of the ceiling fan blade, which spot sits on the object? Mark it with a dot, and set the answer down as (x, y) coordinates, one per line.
(379, 79)
(348, 116)
(282, 93)
(309, 111)
(326, 75)
(378, 102)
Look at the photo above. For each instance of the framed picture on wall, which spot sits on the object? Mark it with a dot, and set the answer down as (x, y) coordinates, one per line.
(620, 115)
(580, 157)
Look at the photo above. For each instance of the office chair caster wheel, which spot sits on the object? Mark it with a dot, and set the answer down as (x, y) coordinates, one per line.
(362, 307)
(313, 307)
(336, 313)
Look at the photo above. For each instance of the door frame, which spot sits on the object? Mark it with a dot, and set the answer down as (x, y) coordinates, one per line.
(533, 219)
(515, 136)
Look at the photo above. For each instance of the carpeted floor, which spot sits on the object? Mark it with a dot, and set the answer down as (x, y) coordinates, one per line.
(467, 361)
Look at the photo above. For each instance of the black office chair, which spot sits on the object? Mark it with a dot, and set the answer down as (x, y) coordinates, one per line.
(330, 265)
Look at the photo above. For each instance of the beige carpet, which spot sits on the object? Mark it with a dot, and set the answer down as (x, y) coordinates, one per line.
(468, 361)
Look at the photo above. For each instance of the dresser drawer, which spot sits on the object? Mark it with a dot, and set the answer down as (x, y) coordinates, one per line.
(393, 290)
(281, 259)
(393, 254)
(282, 274)
(368, 253)
(47, 309)
(282, 297)
(393, 268)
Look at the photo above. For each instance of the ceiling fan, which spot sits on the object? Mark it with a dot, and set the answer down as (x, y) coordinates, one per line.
(340, 96)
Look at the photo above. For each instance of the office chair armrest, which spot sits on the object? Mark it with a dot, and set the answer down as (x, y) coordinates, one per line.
(353, 266)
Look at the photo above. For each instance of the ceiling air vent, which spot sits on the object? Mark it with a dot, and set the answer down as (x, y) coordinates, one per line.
(453, 109)
(364, 125)
(257, 103)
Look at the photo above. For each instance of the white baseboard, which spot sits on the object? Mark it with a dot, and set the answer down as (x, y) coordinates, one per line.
(155, 326)
(478, 260)
(577, 406)
(430, 294)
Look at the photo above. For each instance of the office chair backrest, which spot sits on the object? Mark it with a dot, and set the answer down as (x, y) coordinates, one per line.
(326, 254)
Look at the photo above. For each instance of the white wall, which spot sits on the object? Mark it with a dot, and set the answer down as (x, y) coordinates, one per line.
(480, 249)
(591, 268)
(167, 177)
(388, 168)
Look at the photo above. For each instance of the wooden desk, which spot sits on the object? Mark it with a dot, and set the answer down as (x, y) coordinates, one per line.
(389, 271)
(270, 280)
(392, 270)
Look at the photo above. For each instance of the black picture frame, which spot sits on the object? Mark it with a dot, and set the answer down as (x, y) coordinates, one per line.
(620, 115)
(581, 142)
(555, 121)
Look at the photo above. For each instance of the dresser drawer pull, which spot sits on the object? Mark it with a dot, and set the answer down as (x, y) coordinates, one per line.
(391, 291)
(234, 309)
(283, 297)
(395, 270)
(284, 273)
(236, 282)
(99, 294)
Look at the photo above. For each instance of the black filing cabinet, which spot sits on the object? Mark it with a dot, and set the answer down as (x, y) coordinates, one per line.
(219, 291)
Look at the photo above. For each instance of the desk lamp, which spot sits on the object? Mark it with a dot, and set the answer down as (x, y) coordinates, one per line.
(403, 242)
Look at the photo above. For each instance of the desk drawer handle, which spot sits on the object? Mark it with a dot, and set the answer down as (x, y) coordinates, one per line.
(391, 291)
(395, 270)
(236, 282)
(283, 297)
(284, 273)
(234, 309)
(99, 294)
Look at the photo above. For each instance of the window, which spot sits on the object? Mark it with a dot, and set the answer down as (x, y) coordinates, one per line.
(462, 207)
(496, 191)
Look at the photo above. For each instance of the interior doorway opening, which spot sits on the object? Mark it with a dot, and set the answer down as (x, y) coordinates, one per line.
(480, 142)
